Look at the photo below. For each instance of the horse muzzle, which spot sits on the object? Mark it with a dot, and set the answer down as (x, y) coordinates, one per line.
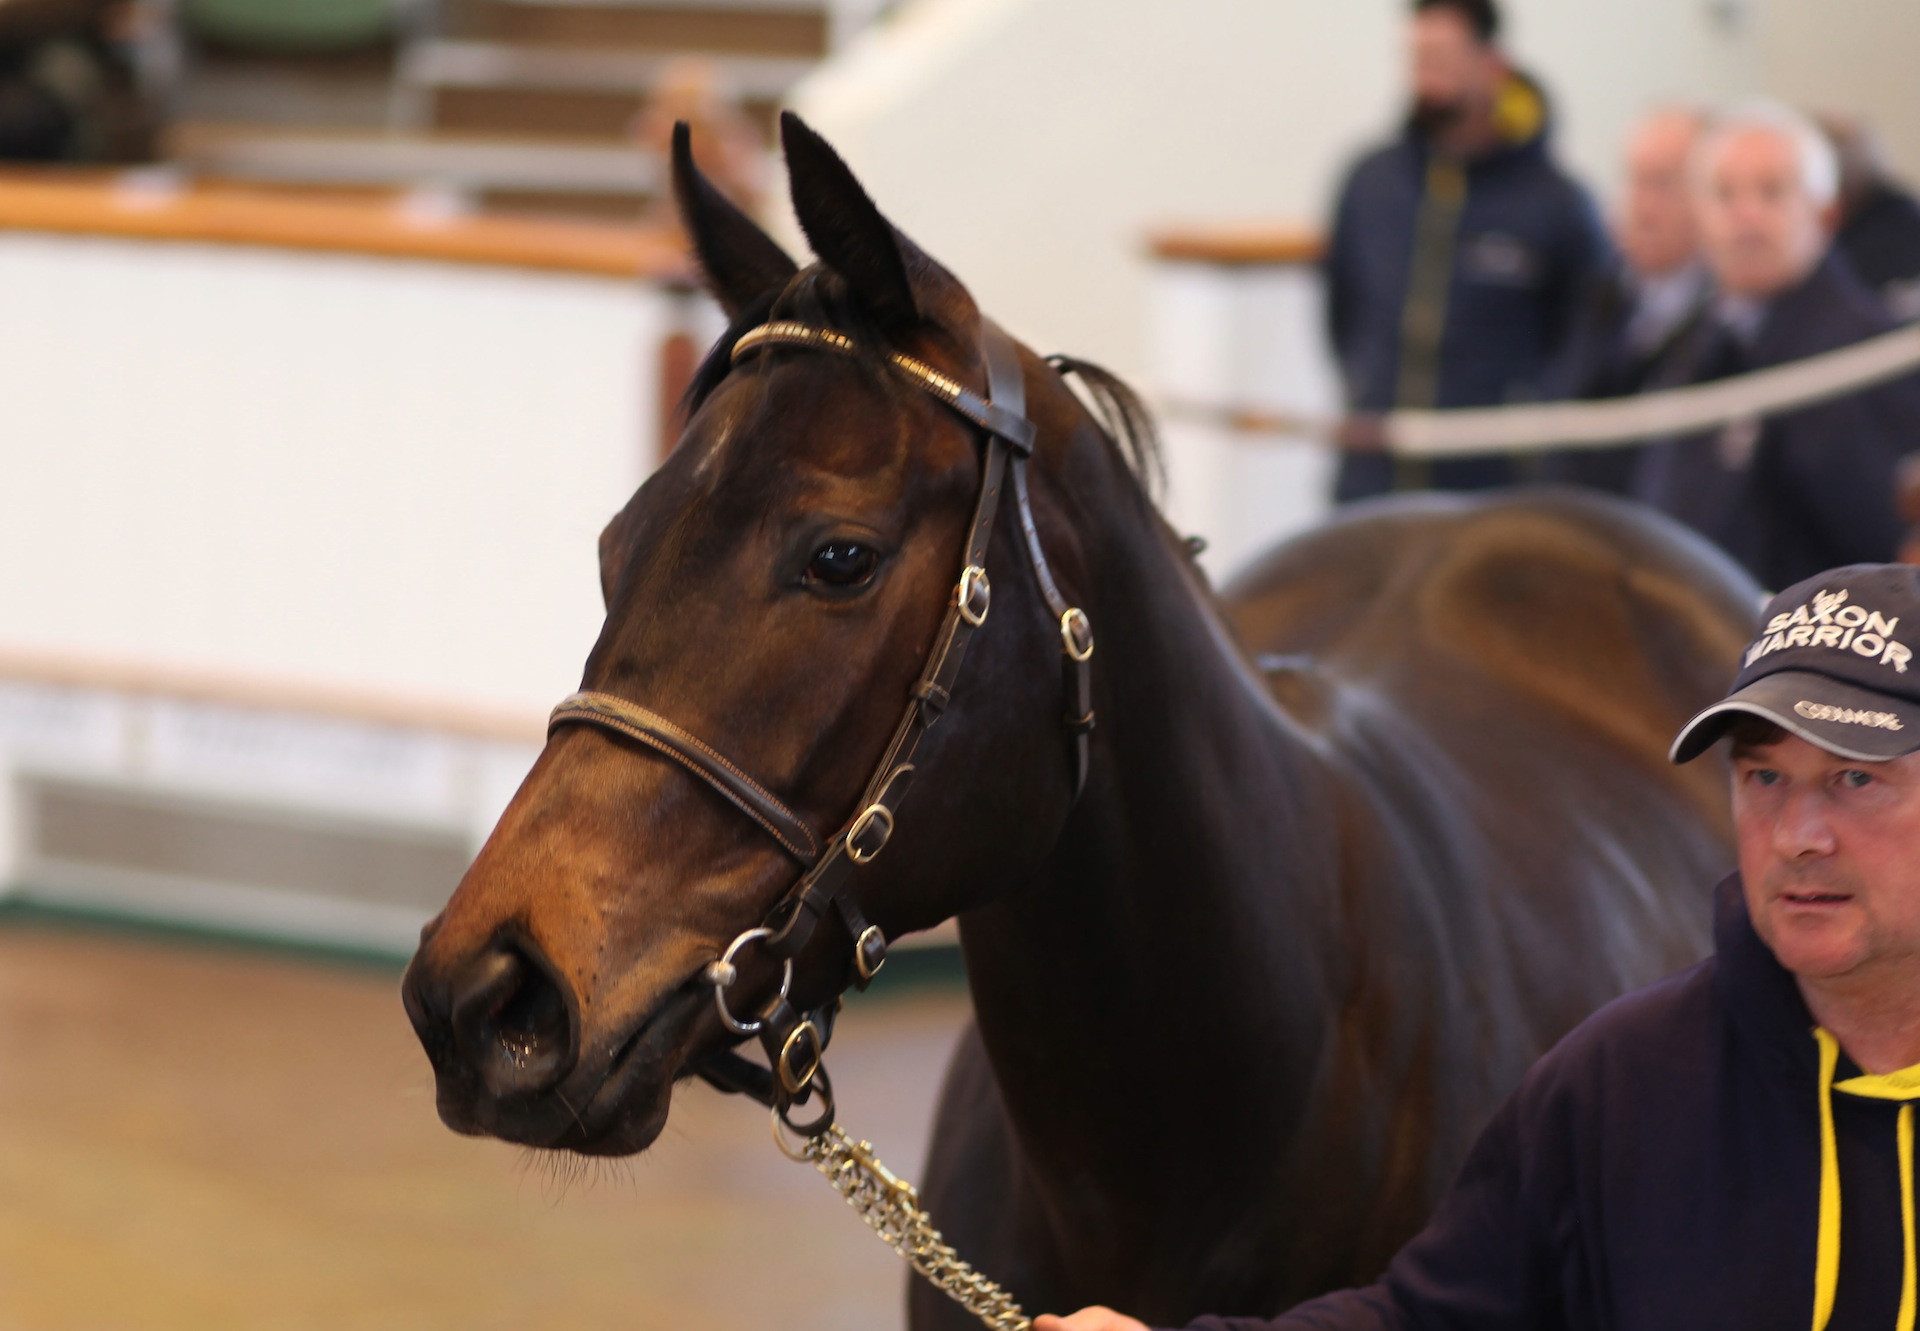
(504, 1035)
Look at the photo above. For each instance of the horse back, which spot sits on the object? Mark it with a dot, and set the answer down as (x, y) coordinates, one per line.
(1604, 618)
(1491, 685)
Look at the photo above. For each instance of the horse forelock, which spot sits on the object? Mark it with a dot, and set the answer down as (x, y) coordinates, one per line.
(818, 297)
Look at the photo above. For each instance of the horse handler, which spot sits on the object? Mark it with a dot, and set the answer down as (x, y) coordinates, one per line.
(1733, 1146)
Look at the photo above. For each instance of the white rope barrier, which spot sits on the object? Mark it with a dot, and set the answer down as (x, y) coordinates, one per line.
(1676, 411)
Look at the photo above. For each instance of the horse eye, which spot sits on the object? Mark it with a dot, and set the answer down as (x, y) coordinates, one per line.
(842, 564)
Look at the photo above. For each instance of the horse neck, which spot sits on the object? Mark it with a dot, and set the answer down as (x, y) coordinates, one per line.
(1188, 914)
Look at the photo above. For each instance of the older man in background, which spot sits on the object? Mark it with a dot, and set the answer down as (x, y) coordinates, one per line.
(1636, 315)
(1812, 488)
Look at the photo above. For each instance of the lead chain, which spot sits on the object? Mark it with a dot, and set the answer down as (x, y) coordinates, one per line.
(891, 1208)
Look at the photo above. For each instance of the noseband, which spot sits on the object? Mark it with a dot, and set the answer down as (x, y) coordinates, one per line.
(795, 1042)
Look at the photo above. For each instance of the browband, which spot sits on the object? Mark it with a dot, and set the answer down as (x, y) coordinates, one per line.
(992, 417)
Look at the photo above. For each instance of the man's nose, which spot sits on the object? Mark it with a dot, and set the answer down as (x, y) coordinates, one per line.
(1804, 827)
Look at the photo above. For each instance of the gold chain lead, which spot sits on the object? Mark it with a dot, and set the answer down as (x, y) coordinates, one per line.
(891, 1208)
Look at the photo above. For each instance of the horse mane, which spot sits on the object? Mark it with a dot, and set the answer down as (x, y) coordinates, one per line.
(1122, 417)
(816, 296)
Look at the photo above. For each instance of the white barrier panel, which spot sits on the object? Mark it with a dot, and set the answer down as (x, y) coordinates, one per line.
(372, 472)
(306, 819)
(256, 437)
(1243, 334)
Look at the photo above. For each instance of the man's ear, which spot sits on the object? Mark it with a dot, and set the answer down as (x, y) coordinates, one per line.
(742, 263)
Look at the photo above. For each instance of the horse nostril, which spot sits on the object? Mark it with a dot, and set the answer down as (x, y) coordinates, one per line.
(510, 1019)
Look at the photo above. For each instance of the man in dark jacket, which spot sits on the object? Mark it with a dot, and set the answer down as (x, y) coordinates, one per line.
(1732, 1147)
(1811, 488)
(1633, 318)
(1457, 253)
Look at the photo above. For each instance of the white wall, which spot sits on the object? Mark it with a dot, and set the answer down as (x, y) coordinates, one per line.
(386, 475)
(1031, 143)
(1856, 56)
(1251, 337)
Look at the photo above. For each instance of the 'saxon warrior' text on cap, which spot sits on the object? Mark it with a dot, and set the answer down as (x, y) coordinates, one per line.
(1837, 663)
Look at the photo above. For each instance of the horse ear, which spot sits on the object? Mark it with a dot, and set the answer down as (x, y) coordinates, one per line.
(742, 262)
(887, 274)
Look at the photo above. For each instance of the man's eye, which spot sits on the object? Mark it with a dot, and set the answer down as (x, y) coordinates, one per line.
(842, 564)
(1855, 779)
(1763, 776)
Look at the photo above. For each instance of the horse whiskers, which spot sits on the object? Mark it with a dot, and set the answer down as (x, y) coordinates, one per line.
(562, 1170)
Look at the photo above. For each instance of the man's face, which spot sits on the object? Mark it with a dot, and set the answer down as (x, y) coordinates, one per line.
(1830, 855)
(1760, 228)
(1452, 69)
(1655, 227)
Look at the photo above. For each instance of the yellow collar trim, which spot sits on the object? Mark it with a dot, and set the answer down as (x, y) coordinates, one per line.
(1902, 1086)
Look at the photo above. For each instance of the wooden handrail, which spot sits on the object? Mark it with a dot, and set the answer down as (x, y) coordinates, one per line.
(64, 670)
(134, 207)
(1238, 245)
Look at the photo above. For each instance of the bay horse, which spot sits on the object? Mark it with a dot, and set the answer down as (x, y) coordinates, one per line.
(1256, 940)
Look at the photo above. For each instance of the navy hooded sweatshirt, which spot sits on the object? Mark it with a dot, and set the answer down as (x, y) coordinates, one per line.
(1662, 1167)
(1454, 284)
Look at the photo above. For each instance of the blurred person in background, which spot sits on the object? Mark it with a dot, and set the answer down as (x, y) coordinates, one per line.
(1807, 489)
(68, 92)
(1879, 229)
(731, 150)
(1908, 483)
(1458, 252)
(1634, 317)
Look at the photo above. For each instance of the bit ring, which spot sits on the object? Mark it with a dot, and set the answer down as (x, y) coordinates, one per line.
(722, 973)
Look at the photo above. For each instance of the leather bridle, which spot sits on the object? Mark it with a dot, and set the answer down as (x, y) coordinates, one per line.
(794, 1041)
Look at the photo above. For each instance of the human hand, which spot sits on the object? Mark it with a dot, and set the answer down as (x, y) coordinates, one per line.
(1089, 1319)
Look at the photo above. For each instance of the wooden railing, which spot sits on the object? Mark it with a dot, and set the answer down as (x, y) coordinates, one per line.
(1241, 245)
(152, 206)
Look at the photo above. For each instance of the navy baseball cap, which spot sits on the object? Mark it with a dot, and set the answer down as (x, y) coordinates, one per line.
(1837, 663)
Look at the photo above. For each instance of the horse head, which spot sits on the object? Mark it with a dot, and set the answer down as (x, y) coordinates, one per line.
(778, 594)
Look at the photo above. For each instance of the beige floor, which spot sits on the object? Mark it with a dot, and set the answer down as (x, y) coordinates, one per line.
(200, 1138)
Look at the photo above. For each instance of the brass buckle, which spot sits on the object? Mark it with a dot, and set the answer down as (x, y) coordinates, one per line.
(1076, 634)
(796, 1082)
(973, 579)
(870, 940)
(873, 814)
(811, 1130)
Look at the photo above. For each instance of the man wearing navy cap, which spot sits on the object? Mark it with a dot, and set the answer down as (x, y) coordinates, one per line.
(1734, 1146)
